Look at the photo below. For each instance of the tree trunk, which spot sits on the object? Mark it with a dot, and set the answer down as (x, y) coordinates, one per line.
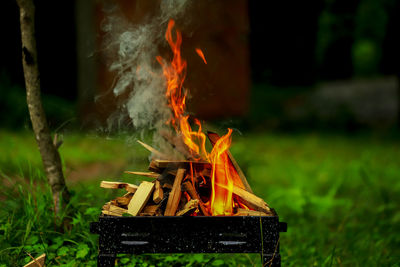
(48, 151)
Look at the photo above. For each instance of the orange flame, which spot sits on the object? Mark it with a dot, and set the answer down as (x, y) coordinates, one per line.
(201, 54)
(224, 175)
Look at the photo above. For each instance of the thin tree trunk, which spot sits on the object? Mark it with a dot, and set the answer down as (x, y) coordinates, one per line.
(50, 156)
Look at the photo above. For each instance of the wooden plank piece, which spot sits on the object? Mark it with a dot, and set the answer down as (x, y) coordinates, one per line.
(149, 210)
(112, 185)
(37, 262)
(146, 174)
(251, 200)
(158, 194)
(110, 209)
(191, 205)
(124, 200)
(175, 194)
(119, 185)
(154, 151)
(140, 198)
(244, 212)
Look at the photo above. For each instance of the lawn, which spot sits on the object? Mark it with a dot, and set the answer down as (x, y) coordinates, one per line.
(340, 196)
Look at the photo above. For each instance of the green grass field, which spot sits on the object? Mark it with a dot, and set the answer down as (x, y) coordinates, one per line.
(340, 196)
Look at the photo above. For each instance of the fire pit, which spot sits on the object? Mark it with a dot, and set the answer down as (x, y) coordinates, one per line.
(172, 234)
(199, 201)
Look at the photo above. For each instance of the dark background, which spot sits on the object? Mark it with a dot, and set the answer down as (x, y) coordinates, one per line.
(295, 48)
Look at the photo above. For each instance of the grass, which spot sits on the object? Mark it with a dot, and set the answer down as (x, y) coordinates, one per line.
(339, 195)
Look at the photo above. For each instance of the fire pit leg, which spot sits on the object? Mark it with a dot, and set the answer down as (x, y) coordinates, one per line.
(270, 260)
(106, 260)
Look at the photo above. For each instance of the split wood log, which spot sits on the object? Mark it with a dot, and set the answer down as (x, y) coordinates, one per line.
(191, 205)
(213, 137)
(188, 187)
(110, 209)
(36, 262)
(167, 186)
(153, 167)
(146, 174)
(149, 210)
(154, 151)
(251, 200)
(140, 198)
(175, 194)
(244, 212)
(124, 200)
(119, 185)
(158, 194)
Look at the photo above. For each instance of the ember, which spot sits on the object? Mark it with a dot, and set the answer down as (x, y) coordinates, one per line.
(206, 183)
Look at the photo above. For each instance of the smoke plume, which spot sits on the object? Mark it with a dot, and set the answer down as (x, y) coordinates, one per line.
(133, 49)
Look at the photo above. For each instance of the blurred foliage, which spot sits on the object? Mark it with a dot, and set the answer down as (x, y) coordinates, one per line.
(353, 33)
(14, 110)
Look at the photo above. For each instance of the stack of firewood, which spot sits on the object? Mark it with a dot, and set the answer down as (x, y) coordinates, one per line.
(179, 188)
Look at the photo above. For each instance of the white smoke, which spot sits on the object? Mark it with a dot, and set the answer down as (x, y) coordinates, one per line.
(134, 49)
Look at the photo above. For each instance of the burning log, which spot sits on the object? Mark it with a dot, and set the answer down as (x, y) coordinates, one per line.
(175, 194)
(251, 200)
(188, 187)
(140, 198)
(189, 206)
(213, 137)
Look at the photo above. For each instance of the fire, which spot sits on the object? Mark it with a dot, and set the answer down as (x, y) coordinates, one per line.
(224, 175)
(201, 54)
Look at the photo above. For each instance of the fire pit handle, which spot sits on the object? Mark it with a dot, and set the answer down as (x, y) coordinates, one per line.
(282, 227)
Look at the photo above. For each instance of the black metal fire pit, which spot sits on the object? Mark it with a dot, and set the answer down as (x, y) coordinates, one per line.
(208, 234)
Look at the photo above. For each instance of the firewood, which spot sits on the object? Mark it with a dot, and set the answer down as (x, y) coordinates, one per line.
(110, 209)
(167, 186)
(146, 174)
(192, 204)
(180, 163)
(175, 194)
(158, 194)
(213, 137)
(177, 143)
(124, 200)
(244, 212)
(153, 167)
(188, 187)
(251, 200)
(140, 198)
(154, 151)
(118, 185)
(149, 210)
(36, 262)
